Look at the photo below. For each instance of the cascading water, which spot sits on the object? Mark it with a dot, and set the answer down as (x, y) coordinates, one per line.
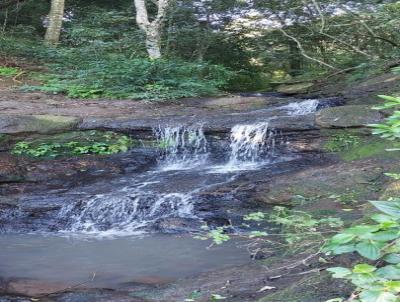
(151, 196)
(301, 108)
(154, 195)
(183, 147)
(248, 141)
(249, 145)
(125, 212)
(147, 198)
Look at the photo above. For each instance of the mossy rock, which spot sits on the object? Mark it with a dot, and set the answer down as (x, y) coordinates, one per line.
(372, 149)
(351, 145)
(292, 89)
(347, 116)
(37, 124)
(342, 182)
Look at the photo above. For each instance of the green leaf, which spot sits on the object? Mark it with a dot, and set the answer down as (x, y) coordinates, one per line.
(388, 207)
(392, 286)
(339, 272)
(342, 238)
(390, 98)
(382, 218)
(364, 280)
(382, 236)
(389, 272)
(343, 249)
(362, 229)
(368, 249)
(377, 296)
(363, 268)
(392, 258)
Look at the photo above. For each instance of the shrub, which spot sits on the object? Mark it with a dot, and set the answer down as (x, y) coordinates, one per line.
(93, 72)
(92, 142)
(378, 242)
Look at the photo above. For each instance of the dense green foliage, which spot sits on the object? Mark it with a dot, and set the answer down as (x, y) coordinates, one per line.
(378, 241)
(208, 46)
(115, 76)
(84, 72)
(94, 143)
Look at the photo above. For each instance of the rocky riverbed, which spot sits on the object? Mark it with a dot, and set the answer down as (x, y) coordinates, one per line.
(305, 164)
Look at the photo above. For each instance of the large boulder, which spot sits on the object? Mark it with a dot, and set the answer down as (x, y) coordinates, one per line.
(37, 124)
(347, 116)
(344, 182)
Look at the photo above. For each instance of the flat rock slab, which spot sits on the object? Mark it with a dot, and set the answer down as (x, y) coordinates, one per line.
(32, 288)
(349, 180)
(348, 116)
(36, 124)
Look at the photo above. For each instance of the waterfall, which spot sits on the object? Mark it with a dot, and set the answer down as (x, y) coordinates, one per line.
(250, 144)
(247, 142)
(183, 147)
(301, 108)
(125, 212)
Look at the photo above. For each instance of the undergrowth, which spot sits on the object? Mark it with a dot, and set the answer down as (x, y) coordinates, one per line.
(92, 72)
(103, 144)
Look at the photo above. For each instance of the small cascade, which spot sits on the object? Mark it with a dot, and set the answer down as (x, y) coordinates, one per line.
(126, 212)
(183, 147)
(250, 144)
(247, 142)
(301, 108)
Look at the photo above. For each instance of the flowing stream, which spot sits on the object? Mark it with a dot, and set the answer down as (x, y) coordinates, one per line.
(170, 189)
(104, 231)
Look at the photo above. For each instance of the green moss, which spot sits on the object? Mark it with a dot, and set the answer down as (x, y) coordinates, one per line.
(355, 144)
(372, 147)
(341, 141)
(8, 71)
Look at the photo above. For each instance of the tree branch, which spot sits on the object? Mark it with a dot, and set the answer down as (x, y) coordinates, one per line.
(321, 14)
(356, 49)
(303, 52)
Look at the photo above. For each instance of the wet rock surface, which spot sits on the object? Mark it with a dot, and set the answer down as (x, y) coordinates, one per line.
(348, 116)
(34, 191)
(36, 123)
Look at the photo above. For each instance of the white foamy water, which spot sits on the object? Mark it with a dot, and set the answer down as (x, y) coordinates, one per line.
(249, 145)
(126, 212)
(183, 147)
(169, 190)
(301, 108)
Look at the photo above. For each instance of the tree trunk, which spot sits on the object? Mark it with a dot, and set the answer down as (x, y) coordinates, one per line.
(56, 15)
(152, 29)
(295, 59)
(153, 43)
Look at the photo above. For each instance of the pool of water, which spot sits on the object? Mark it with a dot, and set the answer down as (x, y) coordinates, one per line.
(115, 261)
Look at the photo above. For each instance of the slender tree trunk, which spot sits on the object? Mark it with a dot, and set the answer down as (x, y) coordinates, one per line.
(56, 15)
(295, 60)
(152, 29)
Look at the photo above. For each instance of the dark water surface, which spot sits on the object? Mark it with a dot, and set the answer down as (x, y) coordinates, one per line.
(114, 261)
